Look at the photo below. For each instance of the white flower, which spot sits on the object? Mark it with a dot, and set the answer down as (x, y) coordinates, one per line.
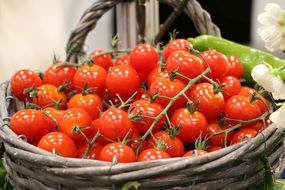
(278, 118)
(262, 75)
(273, 30)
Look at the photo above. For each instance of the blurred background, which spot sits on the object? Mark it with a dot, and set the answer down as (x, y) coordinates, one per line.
(32, 31)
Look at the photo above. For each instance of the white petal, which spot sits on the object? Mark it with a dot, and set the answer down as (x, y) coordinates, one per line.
(268, 33)
(278, 118)
(279, 86)
(274, 9)
(259, 71)
(266, 19)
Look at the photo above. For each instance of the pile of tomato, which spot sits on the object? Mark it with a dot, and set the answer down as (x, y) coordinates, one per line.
(142, 105)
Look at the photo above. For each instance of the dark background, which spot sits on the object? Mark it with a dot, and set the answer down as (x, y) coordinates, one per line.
(231, 16)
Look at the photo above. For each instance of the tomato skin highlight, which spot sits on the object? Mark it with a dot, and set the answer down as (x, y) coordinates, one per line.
(31, 123)
(115, 124)
(61, 143)
(244, 135)
(195, 152)
(122, 152)
(192, 125)
(211, 105)
(76, 117)
(22, 80)
(104, 61)
(230, 86)
(174, 45)
(152, 154)
(122, 80)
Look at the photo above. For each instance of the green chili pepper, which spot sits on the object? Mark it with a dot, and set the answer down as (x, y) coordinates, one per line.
(249, 57)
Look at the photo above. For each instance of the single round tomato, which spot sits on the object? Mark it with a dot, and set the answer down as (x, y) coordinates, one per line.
(168, 88)
(24, 79)
(143, 58)
(191, 125)
(91, 77)
(235, 67)
(155, 73)
(122, 60)
(239, 107)
(230, 86)
(76, 117)
(152, 154)
(104, 61)
(195, 152)
(58, 75)
(217, 62)
(141, 93)
(244, 135)
(122, 80)
(211, 105)
(115, 124)
(147, 111)
(93, 153)
(258, 126)
(117, 151)
(89, 102)
(261, 102)
(30, 123)
(47, 95)
(52, 115)
(172, 145)
(174, 45)
(59, 143)
(185, 63)
(218, 140)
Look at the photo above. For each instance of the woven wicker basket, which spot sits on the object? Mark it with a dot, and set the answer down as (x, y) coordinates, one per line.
(235, 167)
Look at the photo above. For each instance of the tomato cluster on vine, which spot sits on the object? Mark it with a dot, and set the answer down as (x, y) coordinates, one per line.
(145, 104)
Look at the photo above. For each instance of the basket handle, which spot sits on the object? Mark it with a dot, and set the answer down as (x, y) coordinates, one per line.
(200, 18)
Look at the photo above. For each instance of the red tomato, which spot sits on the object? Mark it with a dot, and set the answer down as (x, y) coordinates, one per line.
(104, 61)
(143, 58)
(155, 73)
(230, 86)
(135, 142)
(53, 115)
(244, 135)
(142, 93)
(92, 77)
(76, 117)
(262, 102)
(120, 152)
(115, 124)
(30, 123)
(152, 154)
(218, 140)
(47, 95)
(192, 125)
(185, 63)
(122, 80)
(89, 102)
(122, 60)
(174, 45)
(148, 111)
(211, 105)
(235, 67)
(59, 143)
(93, 153)
(22, 80)
(172, 145)
(214, 148)
(217, 62)
(258, 126)
(95, 127)
(238, 107)
(58, 75)
(166, 87)
(195, 152)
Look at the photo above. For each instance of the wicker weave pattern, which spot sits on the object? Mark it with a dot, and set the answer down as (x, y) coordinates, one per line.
(234, 167)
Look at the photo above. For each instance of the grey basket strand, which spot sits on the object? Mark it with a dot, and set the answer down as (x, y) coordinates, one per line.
(234, 167)
(201, 19)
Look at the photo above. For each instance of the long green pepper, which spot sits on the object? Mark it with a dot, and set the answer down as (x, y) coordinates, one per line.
(249, 57)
